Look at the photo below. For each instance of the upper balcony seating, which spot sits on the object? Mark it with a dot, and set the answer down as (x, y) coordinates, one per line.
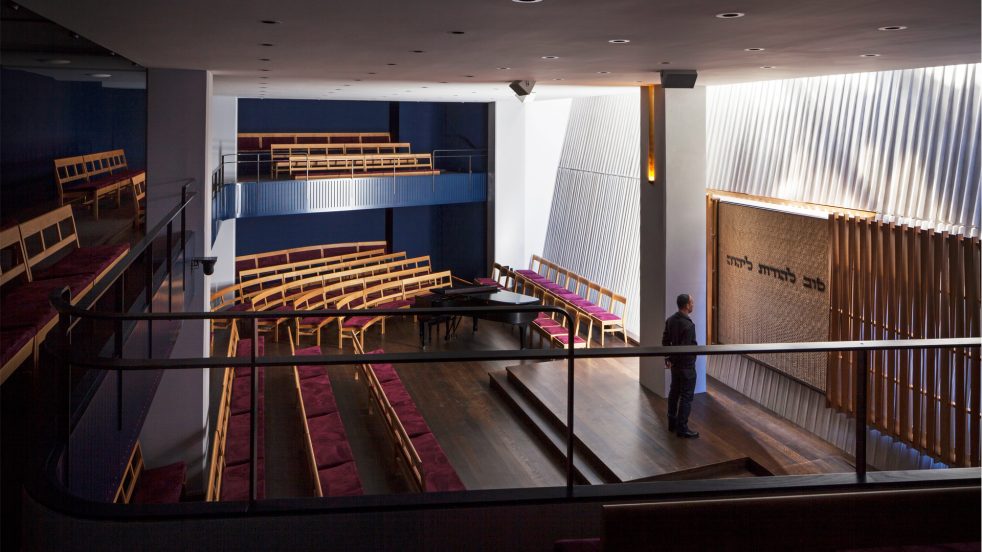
(261, 141)
(140, 485)
(305, 167)
(290, 259)
(42, 256)
(332, 464)
(416, 447)
(228, 478)
(91, 177)
(280, 154)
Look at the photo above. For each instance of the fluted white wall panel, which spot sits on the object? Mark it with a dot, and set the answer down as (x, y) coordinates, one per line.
(594, 220)
(904, 144)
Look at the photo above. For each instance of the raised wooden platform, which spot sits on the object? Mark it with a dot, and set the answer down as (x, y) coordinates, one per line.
(622, 434)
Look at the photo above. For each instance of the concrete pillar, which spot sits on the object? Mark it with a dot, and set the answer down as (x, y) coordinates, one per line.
(179, 150)
(673, 220)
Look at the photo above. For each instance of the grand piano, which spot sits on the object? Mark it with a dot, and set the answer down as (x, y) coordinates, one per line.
(476, 296)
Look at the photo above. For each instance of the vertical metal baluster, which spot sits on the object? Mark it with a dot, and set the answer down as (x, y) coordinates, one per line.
(253, 422)
(569, 406)
(170, 271)
(148, 297)
(862, 374)
(118, 348)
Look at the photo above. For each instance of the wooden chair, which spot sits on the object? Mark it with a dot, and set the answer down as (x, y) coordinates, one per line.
(139, 186)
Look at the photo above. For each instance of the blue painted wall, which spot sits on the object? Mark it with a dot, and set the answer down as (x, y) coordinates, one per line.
(312, 116)
(44, 119)
(452, 235)
(255, 235)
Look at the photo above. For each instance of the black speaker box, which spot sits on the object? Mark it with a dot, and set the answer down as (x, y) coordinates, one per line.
(678, 78)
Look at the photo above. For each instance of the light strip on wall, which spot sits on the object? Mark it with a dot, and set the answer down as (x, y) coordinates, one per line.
(651, 134)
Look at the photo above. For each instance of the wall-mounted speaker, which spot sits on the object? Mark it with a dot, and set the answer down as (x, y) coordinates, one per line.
(678, 78)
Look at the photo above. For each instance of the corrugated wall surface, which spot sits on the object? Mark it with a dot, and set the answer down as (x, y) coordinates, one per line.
(594, 221)
(904, 144)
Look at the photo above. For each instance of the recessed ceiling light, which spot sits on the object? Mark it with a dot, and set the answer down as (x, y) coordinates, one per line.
(603, 72)
(558, 79)
(892, 28)
(457, 32)
(56, 61)
(444, 82)
(100, 75)
(357, 80)
(372, 73)
(270, 22)
(264, 77)
(265, 59)
(504, 68)
(469, 76)
(266, 44)
(345, 85)
(619, 41)
(753, 49)
(869, 55)
(390, 64)
(424, 86)
(730, 15)
(766, 66)
(264, 70)
(666, 63)
(419, 51)
(526, 1)
(550, 57)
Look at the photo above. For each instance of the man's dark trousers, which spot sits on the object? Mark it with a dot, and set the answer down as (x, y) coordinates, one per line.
(680, 397)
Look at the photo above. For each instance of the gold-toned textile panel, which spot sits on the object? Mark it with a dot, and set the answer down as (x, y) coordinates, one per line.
(899, 282)
(773, 285)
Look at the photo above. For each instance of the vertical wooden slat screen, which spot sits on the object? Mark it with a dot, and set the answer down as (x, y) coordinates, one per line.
(898, 282)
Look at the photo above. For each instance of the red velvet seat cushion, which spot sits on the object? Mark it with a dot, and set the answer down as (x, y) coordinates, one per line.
(329, 451)
(162, 485)
(318, 397)
(13, 340)
(487, 282)
(340, 480)
(272, 260)
(396, 304)
(442, 479)
(526, 272)
(385, 372)
(307, 255)
(395, 392)
(328, 426)
(29, 304)
(238, 307)
(306, 372)
(315, 320)
(410, 418)
(248, 264)
(309, 351)
(241, 402)
(357, 321)
(86, 260)
(564, 339)
(235, 482)
(336, 251)
(606, 316)
(430, 452)
(108, 180)
(239, 436)
(244, 348)
(554, 330)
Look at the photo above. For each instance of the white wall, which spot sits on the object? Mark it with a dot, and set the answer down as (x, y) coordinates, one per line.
(224, 132)
(224, 249)
(509, 182)
(545, 133)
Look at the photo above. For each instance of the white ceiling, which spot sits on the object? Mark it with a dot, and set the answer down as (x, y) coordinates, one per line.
(329, 49)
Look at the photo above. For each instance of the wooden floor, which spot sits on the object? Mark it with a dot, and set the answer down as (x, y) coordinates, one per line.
(491, 446)
(626, 426)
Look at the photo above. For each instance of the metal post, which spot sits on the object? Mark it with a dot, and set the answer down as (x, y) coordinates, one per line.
(184, 198)
(861, 380)
(63, 382)
(148, 297)
(170, 271)
(253, 425)
(118, 348)
(569, 406)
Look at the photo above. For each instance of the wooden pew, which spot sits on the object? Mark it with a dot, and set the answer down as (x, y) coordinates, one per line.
(139, 187)
(417, 449)
(91, 177)
(280, 154)
(261, 141)
(329, 457)
(340, 166)
(306, 253)
(140, 485)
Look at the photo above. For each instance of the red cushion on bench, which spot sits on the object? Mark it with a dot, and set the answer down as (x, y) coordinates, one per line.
(395, 392)
(245, 265)
(330, 424)
(340, 480)
(605, 316)
(241, 402)
(357, 321)
(244, 347)
(311, 320)
(396, 304)
(329, 451)
(410, 418)
(385, 372)
(306, 372)
(307, 255)
(246, 371)
(272, 260)
(335, 251)
(86, 260)
(235, 482)
(13, 339)
(161, 485)
(238, 438)
(442, 479)
(318, 397)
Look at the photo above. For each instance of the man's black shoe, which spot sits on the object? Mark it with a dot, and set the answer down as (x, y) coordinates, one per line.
(688, 434)
(672, 425)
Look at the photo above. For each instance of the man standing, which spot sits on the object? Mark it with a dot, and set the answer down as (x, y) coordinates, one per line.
(679, 330)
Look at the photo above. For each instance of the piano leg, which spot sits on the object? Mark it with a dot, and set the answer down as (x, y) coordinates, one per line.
(522, 330)
(474, 318)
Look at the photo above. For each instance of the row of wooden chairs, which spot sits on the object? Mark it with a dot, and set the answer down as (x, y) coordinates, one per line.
(142, 485)
(89, 178)
(280, 154)
(261, 141)
(41, 256)
(341, 166)
(416, 447)
(228, 472)
(329, 457)
(288, 259)
(262, 278)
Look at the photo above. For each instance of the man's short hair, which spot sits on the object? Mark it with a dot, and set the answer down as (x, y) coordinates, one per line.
(682, 300)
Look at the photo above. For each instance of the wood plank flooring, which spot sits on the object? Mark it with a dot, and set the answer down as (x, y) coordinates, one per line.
(626, 426)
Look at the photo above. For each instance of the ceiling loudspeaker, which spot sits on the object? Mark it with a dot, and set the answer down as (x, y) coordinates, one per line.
(678, 78)
(523, 89)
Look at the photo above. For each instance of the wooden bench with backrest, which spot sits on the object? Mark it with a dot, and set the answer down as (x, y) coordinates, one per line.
(305, 253)
(340, 166)
(142, 485)
(228, 478)
(416, 447)
(397, 294)
(91, 177)
(261, 141)
(594, 303)
(280, 154)
(329, 456)
(42, 256)
(139, 186)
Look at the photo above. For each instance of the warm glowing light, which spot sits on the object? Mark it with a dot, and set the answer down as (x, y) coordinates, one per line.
(651, 134)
